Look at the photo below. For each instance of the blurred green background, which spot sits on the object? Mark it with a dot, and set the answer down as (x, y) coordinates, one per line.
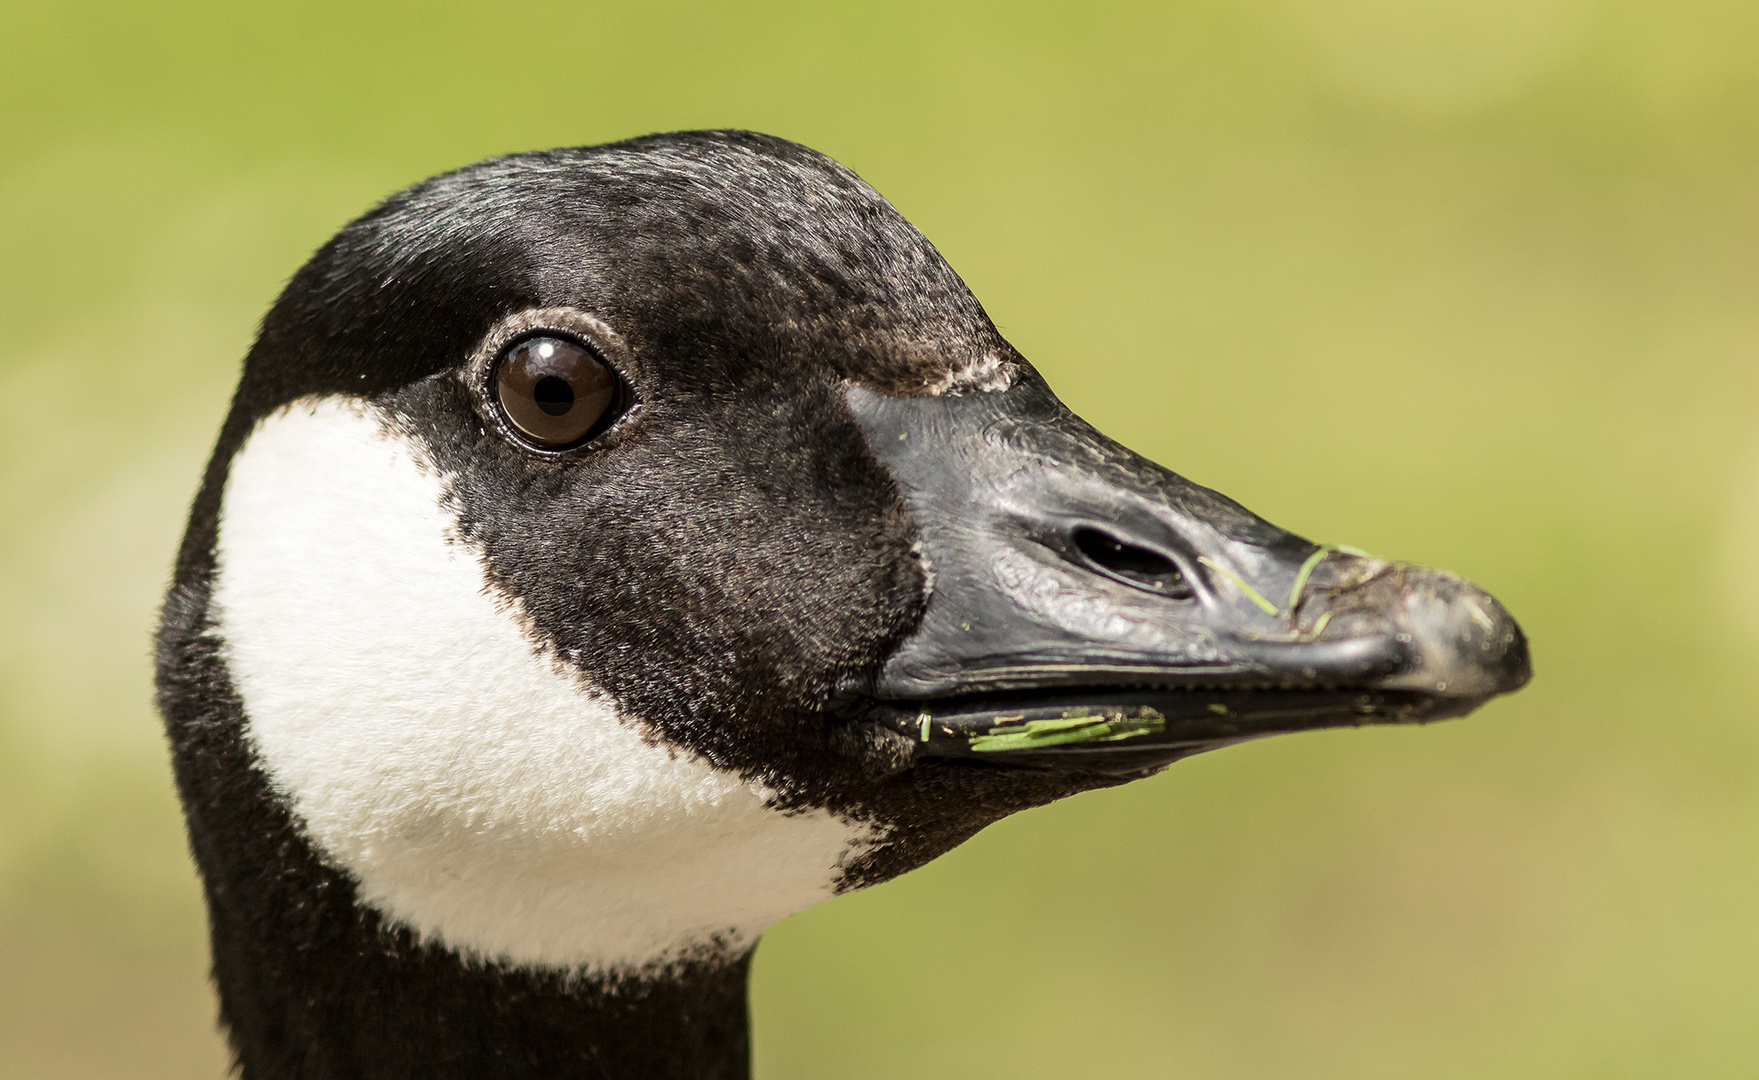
(1469, 282)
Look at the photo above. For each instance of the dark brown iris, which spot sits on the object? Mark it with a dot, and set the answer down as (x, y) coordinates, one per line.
(555, 391)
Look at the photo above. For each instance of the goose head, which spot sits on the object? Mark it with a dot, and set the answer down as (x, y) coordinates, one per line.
(613, 550)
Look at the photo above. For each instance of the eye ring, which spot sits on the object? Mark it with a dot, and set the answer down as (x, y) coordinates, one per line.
(555, 391)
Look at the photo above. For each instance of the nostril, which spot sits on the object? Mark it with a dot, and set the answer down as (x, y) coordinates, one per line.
(1133, 565)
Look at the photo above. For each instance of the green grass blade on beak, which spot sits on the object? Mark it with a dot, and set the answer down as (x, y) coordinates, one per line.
(1239, 582)
(1306, 571)
(1072, 729)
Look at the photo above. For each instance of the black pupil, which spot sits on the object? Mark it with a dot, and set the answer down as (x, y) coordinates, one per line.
(553, 395)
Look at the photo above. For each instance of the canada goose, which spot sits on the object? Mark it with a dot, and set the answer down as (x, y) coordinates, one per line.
(613, 550)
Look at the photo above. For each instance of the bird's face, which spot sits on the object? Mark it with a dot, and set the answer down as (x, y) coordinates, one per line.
(622, 548)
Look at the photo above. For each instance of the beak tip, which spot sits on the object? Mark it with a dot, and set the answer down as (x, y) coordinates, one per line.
(1517, 664)
(1466, 644)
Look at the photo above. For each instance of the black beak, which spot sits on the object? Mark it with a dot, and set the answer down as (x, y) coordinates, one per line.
(1091, 610)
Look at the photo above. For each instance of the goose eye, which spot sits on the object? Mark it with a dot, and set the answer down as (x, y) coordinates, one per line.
(557, 392)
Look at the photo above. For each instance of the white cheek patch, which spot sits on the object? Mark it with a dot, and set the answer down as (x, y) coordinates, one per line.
(478, 793)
